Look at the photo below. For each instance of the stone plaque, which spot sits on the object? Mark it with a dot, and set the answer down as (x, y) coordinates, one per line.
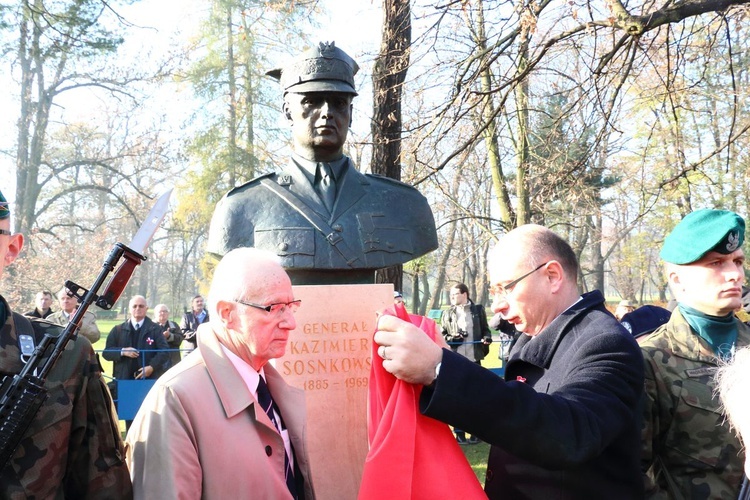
(329, 356)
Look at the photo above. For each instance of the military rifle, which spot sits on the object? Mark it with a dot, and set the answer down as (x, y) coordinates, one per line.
(22, 395)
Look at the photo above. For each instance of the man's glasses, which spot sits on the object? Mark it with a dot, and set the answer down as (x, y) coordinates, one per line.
(276, 308)
(504, 290)
(5, 231)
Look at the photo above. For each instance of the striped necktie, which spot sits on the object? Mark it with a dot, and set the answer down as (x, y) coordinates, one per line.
(268, 405)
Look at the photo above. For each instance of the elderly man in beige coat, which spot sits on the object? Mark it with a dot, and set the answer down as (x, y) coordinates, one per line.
(68, 306)
(209, 427)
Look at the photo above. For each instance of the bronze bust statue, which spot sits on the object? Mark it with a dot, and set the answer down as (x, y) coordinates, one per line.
(326, 221)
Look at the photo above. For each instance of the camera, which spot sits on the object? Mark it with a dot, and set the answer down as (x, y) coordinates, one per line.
(459, 336)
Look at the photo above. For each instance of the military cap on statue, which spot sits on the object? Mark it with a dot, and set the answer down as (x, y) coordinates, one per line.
(324, 68)
(703, 231)
(4, 207)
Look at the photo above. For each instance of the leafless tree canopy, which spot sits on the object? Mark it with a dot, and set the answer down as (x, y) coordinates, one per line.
(606, 121)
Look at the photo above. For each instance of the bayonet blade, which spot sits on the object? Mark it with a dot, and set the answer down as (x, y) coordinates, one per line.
(152, 222)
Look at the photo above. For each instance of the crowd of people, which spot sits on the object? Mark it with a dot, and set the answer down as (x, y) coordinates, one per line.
(587, 407)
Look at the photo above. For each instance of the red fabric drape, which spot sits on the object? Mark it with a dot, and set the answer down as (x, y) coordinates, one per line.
(411, 456)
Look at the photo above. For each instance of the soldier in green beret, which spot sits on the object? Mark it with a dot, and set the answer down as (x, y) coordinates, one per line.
(73, 448)
(688, 448)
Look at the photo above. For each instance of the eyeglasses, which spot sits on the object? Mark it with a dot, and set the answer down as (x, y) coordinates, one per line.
(504, 290)
(5, 231)
(275, 308)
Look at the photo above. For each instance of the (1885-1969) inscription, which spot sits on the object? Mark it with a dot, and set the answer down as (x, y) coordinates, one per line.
(329, 348)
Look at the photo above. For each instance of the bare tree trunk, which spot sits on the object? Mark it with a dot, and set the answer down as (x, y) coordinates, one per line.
(597, 260)
(24, 123)
(507, 215)
(441, 265)
(388, 77)
(232, 96)
(34, 116)
(252, 159)
(427, 294)
(415, 301)
(522, 141)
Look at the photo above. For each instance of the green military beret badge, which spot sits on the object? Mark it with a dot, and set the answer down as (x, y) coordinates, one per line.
(703, 231)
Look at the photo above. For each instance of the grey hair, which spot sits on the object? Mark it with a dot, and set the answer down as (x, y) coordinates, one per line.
(230, 281)
(137, 297)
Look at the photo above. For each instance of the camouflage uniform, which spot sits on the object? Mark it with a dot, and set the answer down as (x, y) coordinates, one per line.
(684, 429)
(73, 449)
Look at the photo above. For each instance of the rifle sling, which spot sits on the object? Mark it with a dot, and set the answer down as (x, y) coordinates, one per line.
(23, 326)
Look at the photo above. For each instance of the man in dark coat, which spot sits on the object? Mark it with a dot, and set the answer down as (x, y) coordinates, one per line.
(129, 343)
(565, 422)
(327, 222)
(172, 332)
(43, 301)
(192, 319)
(464, 325)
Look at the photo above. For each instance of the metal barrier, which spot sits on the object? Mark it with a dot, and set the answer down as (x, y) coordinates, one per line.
(129, 394)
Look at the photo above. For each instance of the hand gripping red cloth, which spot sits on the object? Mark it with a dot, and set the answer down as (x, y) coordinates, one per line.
(411, 456)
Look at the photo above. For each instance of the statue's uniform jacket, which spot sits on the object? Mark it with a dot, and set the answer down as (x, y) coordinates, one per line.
(382, 221)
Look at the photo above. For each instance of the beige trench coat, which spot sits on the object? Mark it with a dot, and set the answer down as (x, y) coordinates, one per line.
(201, 434)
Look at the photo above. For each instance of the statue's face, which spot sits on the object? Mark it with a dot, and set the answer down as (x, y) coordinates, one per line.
(320, 122)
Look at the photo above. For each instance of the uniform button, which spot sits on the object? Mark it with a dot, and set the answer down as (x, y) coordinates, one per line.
(269, 450)
(489, 475)
(283, 246)
(389, 244)
(338, 228)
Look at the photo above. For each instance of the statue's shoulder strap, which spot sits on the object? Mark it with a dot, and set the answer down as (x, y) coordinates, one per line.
(391, 180)
(331, 236)
(255, 180)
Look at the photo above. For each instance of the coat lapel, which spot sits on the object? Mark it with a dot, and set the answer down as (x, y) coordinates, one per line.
(350, 189)
(233, 393)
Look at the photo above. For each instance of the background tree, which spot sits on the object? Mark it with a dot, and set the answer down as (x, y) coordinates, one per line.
(605, 122)
(388, 75)
(237, 40)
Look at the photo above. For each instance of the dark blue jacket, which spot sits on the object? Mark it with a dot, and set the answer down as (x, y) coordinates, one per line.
(565, 423)
(150, 337)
